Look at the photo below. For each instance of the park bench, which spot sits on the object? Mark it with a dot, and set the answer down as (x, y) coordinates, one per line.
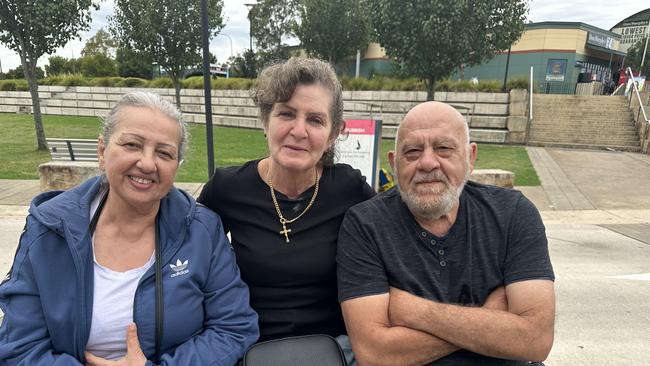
(73, 161)
(72, 149)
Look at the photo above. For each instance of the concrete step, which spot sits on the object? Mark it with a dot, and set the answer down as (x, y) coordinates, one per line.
(599, 130)
(582, 110)
(581, 124)
(585, 141)
(608, 128)
(583, 132)
(585, 146)
(594, 139)
(600, 139)
(558, 106)
(544, 137)
(581, 113)
(564, 97)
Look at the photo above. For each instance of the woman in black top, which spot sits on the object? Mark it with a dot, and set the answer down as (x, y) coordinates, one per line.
(284, 211)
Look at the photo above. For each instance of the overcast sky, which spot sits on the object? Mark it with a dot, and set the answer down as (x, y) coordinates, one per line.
(600, 13)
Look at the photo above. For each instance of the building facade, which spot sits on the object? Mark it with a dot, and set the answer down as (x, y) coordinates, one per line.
(632, 29)
(561, 54)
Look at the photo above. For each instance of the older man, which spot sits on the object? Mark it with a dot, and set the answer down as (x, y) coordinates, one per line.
(443, 271)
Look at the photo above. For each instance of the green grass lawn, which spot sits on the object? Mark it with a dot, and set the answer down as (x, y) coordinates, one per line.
(19, 158)
(506, 157)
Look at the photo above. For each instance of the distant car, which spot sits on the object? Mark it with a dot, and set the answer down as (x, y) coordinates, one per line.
(215, 71)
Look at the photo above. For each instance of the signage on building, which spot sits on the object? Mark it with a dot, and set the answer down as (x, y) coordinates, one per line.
(601, 40)
(555, 69)
(632, 32)
(361, 147)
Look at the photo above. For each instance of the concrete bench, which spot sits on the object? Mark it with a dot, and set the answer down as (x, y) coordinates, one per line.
(495, 177)
(73, 161)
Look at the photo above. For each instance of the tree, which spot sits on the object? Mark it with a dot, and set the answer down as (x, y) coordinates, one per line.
(56, 65)
(634, 55)
(168, 31)
(38, 27)
(333, 29)
(100, 44)
(19, 73)
(131, 63)
(430, 39)
(98, 65)
(271, 22)
(244, 65)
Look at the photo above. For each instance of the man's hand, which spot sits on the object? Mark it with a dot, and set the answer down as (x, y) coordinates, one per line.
(134, 355)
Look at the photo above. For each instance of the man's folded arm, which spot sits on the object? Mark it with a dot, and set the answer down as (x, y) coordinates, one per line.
(523, 332)
(376, 342)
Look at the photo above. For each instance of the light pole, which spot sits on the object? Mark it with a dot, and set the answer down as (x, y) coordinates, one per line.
(505, 77)
(250, 24)
(207, 86)
(227, 35)
(645, 49)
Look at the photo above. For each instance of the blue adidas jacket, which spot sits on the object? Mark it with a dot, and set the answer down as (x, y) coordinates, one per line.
(48, 295)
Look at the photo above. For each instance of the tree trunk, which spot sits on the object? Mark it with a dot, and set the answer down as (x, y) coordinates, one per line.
(177, 88)
(30, 75)
(430, 82)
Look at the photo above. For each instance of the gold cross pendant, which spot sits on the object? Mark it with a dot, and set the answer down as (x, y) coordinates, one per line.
(285, 231)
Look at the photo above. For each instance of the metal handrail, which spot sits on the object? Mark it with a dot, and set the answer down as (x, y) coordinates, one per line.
(372, 108)
(628, 71)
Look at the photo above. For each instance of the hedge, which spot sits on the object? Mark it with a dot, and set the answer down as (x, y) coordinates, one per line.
(196, 82)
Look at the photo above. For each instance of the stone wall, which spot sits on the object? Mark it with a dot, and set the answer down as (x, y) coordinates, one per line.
(642, 125)
(493, 117)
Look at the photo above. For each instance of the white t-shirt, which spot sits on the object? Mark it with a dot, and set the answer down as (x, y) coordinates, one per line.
(113, 297)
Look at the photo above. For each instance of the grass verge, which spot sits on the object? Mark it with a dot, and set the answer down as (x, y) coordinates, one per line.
(19, 158)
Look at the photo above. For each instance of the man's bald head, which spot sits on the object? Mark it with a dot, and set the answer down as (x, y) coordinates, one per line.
(433, 159)
(431, 113)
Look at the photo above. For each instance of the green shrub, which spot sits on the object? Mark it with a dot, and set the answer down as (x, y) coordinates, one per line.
(66, 80)
(51, 80)
(108, 81)
(193, 82)
(444, 85)
(412, 84)
(22, 85)
(131, 83)
(518, 83)
(8, 85)
(232, 83)
(14, 85)
(161, 83)
(490, 86)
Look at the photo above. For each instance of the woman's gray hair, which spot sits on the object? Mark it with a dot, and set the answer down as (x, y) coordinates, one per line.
(147, 100)
(277, 83)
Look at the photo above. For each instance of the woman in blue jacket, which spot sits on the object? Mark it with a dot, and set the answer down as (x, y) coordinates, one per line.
(126, 267)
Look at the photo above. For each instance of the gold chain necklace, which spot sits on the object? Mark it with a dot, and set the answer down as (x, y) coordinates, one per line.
(284, 221)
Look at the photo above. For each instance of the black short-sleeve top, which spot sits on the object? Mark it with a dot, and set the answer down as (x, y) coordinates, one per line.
(498, 238)
(292, 285)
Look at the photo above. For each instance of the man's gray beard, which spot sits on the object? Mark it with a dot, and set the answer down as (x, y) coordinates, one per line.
(433, 209)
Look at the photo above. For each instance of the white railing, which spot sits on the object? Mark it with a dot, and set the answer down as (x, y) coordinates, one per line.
(635, 91)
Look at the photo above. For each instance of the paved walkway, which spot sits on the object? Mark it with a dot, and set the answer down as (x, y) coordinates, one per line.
(596, 208)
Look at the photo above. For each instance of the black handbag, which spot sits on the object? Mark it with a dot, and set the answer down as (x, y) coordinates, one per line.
(316, 350)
